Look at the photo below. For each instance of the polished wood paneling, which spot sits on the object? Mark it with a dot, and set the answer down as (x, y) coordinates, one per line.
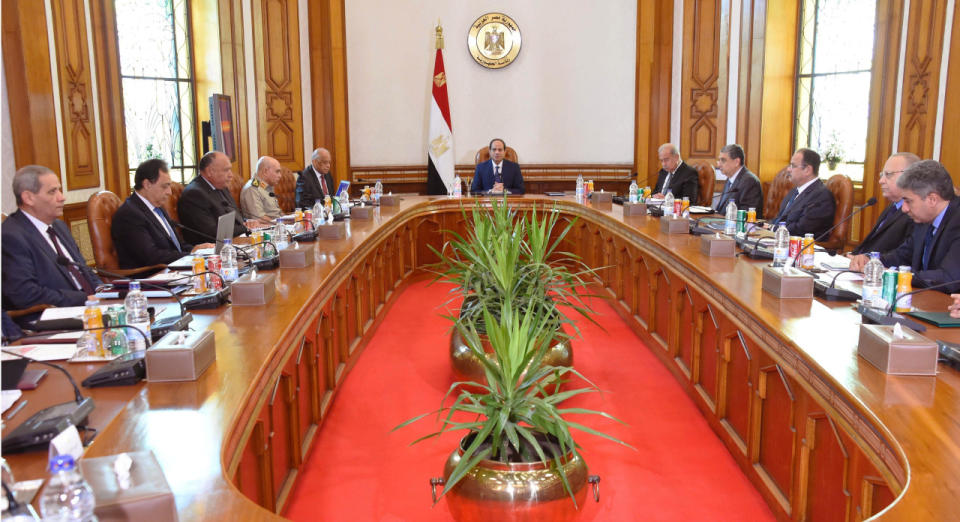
(949, 152)
(103, 20)
(328, 82)
(703, 85)
(76, 94)
(753, 36)
(26, 62)
(654, 78)
(234, 79)
(779, 86)
(276, 37)
(883, 92)
(921, 76)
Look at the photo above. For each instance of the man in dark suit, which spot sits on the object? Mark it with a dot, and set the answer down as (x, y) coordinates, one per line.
(38, 251)
(932, 250)
(742, 186)
(892, 226)
(207, 198)
(143, 234)
(498, 174)
(809, 208)
(315, 181)
(676, 176)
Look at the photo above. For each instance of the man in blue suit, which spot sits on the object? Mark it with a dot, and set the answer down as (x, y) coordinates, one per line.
(498, 174)
(41, 263)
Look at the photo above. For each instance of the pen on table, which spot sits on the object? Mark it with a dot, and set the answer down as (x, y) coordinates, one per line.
(17, 408)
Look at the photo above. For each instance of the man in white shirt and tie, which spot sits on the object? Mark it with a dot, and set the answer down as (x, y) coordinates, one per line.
(142, 231)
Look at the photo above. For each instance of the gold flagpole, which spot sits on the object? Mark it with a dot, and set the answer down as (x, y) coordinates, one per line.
(439, 29)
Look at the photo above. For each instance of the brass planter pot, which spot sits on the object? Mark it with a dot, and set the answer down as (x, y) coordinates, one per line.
(467, 367)
(514, 492)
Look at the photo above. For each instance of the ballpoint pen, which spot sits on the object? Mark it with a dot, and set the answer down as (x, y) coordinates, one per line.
(17, 409)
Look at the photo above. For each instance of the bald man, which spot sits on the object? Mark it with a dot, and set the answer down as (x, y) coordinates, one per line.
(315, 180)
(676, 176)
(257, 198)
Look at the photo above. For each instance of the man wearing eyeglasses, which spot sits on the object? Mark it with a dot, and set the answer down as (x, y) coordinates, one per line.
(809, 208)
(893, 225)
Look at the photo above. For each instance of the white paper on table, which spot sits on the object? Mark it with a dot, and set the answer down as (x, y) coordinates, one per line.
(164, 277)
(41, 352)
(10, 397)
(825, 260)
(148, 293)
(67, 442)
(76, 312)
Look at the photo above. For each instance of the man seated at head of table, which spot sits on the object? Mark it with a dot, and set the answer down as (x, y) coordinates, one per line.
(742, 186)
(893, 225)
(257, 199)
(41, 263)
(676, 176)
(932, 250)
(142, 231)
(809, 208)
(497, 175)
(207, 198)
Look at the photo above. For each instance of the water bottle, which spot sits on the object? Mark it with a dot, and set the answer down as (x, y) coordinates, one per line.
(377, 191)
(873, 282)
(135, 306)
(228, 261)
(781, 244)
(730, 223)
(281, 237)
(579, 186)
(345, 203)
(633, 192)
(457, 188)
(317, 214)
(67, 496)
(668, 202)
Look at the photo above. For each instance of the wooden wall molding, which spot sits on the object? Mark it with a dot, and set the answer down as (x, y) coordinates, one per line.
(103, 19)
(703, 106)
(328, 83)
(950, 137)
(779, 88)
(653, 85)
(921, 76)
(277, 50)
(234, 79)
(753, 34)
(29, 84)
(76, 94)
(883, 93)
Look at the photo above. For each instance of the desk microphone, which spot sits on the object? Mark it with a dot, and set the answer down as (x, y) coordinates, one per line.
(266, 263)
(831, 292)
(886, 316)
(870, 202)
(47, 423)
(160, 327)
(753, 251)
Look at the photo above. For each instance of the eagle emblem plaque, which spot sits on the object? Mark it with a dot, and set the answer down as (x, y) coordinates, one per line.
(494, 40)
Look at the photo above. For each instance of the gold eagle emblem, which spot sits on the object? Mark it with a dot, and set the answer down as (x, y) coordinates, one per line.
(439, 145)
(439, 79)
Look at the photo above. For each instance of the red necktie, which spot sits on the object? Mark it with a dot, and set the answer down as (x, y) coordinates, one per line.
(323, 184)
(74, 271)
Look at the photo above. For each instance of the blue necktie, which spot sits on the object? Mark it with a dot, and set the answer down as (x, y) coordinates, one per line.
(723, 197)
(790, 198)
(497, 178)
(928, 246)
(166, 225)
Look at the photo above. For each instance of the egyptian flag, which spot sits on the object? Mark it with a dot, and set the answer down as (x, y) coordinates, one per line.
(440, 165)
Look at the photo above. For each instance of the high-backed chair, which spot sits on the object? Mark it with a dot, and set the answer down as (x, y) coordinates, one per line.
(775, 192)
(706, 176)
(176, 189)
(842, 189)
(235, 186)
(484, 154)
(100, 210)
(286, 189)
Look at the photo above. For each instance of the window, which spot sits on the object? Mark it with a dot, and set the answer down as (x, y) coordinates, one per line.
(833, 82)
(156, 73)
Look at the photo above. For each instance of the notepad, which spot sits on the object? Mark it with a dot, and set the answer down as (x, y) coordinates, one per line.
(940, 319)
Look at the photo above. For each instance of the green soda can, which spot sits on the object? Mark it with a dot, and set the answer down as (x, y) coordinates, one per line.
(889, 290)
(741, 222)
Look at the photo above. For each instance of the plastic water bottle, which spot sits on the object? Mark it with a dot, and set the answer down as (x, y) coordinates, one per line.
(633, 192)
(135, 306)
(730, 223)
(579, 186)
(668, 202)
(377, 191)
(781, 244)
(317, 214)
(345, 203)
(873, 282)
(90, 343)
(281, 237)
(67, 496)
(228, 261)
(457, 188)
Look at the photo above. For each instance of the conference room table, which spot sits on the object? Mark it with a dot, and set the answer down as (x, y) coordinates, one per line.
(819, 431)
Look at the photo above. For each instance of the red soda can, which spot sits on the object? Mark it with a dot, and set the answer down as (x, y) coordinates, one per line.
(796, 243)
(214, 265)
(308, 220)
(677, 207)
